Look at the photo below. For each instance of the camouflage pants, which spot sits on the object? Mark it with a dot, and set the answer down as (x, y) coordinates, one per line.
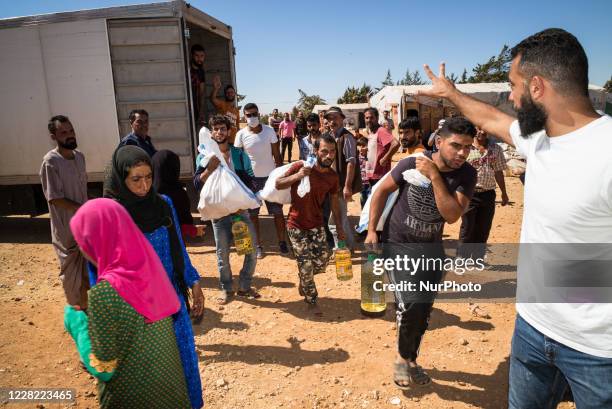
(312, 254)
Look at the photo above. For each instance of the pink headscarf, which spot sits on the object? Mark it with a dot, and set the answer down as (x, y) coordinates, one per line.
(106, 233)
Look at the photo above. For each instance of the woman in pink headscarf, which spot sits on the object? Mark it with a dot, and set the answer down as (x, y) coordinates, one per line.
(127, 338)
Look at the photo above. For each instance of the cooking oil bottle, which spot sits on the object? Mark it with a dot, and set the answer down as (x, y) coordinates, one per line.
(372, 301)
(344, 265)
(242, 238)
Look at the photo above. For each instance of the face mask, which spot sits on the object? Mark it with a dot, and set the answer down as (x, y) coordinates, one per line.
(253, 122)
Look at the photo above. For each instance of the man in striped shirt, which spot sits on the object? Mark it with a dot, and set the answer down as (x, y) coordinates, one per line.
(488, 159)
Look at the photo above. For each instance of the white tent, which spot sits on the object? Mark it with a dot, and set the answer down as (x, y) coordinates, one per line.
(404, 101)
(351, 111)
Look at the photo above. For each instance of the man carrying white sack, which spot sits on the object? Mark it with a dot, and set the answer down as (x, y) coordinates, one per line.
(260, 142)
(414, 228)
(305, 223)
(238, 162)
(568, 200)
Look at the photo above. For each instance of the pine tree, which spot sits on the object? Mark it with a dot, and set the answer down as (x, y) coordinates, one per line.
(413, 78)
(494, 70)
(388, 80)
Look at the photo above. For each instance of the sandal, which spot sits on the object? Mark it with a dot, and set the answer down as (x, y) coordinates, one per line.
(414, 375)
(400, 374)
(223, 297)
(250, 293)
(418, 376)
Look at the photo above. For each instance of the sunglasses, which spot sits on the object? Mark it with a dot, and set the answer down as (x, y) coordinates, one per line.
(253, 115)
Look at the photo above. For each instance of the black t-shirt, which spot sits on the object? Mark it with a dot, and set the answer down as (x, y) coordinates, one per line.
(300, 127)
(414, 217)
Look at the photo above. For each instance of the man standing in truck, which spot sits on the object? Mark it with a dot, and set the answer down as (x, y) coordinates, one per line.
(64, 183)
(198, 84)
(226, 106)
(139, 121)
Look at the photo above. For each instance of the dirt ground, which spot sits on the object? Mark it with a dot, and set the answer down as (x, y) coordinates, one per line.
(268, 353)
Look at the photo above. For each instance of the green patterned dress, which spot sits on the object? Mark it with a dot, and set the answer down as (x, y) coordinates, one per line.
(144, 358)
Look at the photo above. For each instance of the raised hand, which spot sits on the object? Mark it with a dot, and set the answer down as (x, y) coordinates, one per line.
(217, 82)
(442, 87)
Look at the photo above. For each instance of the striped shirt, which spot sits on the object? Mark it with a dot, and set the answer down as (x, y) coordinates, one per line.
(487, 162)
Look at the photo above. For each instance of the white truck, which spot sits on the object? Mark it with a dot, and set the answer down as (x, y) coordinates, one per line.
(95, 66)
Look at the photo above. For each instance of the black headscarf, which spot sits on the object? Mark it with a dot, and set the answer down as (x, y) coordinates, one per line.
(149, 212)
(166, 172)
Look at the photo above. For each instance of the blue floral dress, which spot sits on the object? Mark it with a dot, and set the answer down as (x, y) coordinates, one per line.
(182, 323)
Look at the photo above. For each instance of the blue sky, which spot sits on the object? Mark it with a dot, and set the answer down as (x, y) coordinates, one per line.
(322, 46)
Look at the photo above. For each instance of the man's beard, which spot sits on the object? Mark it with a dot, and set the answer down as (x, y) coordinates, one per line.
(68, 144)
(531, 116)
(325, 164)
(197, 64)
(221, 142)
(229, 99)
(406, 143)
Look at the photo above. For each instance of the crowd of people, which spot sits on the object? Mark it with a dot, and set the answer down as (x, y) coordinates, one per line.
(132, 291)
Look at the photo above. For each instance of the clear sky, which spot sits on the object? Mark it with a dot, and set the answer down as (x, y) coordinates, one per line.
(324, 46)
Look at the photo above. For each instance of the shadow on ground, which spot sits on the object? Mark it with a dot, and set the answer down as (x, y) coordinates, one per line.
(489, 391)
(25, 230)
(290, 356)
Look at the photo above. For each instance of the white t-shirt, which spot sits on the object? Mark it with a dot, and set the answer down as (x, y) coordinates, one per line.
(257, 146)
(568, 199)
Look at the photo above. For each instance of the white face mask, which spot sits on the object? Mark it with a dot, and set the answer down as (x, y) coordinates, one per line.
(253, 122)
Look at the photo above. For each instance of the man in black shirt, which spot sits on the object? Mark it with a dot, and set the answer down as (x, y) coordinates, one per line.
(414, 228)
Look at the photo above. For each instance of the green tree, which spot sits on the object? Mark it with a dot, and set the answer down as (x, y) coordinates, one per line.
(354, 95)
(464, 77)
(407, 80)
(453, 78)
(411, 78)
(307, 102)
(388, 80)
(494, 70)
(608, 85)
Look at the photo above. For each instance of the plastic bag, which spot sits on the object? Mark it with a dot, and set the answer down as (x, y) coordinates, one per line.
(364, 218)
(270, 193)
(414, 177)
(411, 176)
(304, 186)
(223, 193)
(207, 148)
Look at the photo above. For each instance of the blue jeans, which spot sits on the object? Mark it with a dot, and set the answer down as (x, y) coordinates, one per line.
(541, 368)
(222, 229)
(304, 149)
(365, 193)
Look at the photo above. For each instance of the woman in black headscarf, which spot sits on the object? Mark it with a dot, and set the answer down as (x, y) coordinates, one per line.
(130, 182)
(166, 172)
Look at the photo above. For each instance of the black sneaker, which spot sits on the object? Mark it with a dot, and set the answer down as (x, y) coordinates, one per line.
(283, 248)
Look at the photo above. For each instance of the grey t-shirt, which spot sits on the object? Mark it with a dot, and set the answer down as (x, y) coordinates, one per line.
(63, 178)
(414, 217)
